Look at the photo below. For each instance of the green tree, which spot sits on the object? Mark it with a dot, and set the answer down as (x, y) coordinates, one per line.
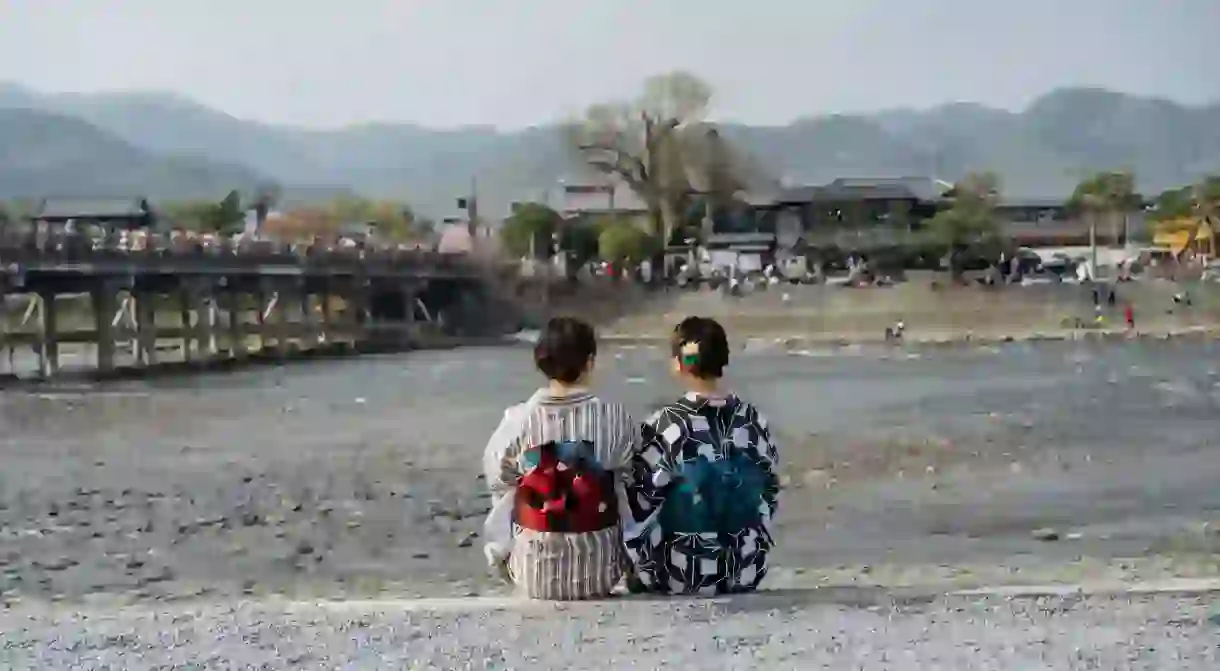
(229, 215)
(620, 240)
(580, 240)
(1173, 204)
(1105, 195)
(529, 229)
(970, 217)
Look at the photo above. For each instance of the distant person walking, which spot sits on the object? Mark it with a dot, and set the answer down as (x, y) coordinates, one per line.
(1129, 315)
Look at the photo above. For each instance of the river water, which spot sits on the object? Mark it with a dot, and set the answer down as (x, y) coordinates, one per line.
(358, 475)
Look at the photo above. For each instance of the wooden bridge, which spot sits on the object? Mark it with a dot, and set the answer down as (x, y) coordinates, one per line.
(223, 302)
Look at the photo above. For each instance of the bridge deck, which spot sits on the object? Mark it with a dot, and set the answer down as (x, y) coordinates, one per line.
(28, 263)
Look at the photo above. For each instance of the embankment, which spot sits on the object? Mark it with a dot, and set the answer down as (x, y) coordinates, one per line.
(825, 314)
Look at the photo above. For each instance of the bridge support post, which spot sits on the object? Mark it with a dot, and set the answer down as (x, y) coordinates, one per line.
(237, 328)
(270, 319)
(328, 314)
(312, 329)
(146, 328)
(105, 305)
(192, 322)
(279, 318)
(409, 337)
(261, 312)
(48, 347)
(360, 321)
(212, 321)
(197, 304)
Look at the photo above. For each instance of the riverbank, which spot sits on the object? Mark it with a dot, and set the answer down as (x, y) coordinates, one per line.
(859, 630)
(823, 315)
(800, 343)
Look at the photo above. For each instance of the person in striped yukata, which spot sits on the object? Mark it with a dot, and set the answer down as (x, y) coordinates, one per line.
(579, 556)
(705, 485)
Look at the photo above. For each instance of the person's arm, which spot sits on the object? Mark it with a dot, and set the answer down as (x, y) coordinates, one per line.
(769, 454)
(500, 468)
(650, 471)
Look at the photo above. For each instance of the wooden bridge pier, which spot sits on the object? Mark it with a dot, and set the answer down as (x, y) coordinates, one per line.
(198, 323)
(134, 310)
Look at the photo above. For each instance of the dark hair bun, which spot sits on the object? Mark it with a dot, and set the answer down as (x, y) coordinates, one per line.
(702, 347)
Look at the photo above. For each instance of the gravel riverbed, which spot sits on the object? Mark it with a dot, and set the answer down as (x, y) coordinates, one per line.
(933, 469)
(777, 630)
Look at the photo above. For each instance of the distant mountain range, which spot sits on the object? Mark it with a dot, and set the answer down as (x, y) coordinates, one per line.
(166, 147)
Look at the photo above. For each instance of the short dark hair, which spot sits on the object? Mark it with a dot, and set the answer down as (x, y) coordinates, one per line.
(713, 353)
(564, 349)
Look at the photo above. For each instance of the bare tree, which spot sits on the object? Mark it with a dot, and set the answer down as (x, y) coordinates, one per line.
(638, 142)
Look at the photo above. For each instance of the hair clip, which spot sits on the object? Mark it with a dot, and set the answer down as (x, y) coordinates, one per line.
(689, 353)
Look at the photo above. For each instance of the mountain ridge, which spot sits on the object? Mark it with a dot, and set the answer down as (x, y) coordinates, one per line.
(1040, 151)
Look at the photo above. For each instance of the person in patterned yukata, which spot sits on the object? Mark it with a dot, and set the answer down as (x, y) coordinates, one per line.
(704, 487)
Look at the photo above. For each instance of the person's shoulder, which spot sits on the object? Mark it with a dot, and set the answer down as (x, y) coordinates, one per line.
(609, 408)
(600, 401)
(670, 413)
(750, 412)
(515, 410)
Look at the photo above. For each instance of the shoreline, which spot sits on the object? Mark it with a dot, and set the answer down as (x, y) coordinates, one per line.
(794, 342)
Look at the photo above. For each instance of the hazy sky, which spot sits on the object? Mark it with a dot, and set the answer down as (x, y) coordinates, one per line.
(520, 62)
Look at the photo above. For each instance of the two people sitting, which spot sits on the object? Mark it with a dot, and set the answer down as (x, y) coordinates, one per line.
(585, 497)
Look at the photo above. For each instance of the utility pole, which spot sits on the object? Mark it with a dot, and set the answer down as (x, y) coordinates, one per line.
(470, 203)
(1092, 245)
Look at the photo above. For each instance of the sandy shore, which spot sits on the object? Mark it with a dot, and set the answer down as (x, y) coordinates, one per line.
(836, 315)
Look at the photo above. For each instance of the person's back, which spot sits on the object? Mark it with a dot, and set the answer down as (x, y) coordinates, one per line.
(701, 519)
(560, 458)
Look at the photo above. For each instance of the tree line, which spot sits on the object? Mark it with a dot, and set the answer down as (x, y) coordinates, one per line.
(394, 221)
(659, 145)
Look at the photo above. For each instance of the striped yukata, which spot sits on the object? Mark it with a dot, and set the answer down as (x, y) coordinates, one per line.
(555, 565)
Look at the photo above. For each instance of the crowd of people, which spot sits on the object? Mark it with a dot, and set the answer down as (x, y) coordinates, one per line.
(589, 502)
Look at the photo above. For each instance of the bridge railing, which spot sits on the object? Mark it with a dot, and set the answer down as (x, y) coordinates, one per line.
(33, 248)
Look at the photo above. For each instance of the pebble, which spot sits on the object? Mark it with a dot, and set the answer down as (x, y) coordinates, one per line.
(1046, 534)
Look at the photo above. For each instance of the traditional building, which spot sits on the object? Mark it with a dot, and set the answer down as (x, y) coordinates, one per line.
(122, 213)
(1193, 235)
(856, 212)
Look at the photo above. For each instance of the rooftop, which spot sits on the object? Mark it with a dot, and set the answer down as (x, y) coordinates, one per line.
(93, 208)
(924, 189)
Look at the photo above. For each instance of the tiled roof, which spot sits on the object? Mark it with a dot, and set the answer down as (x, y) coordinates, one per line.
(880, 188)
(1048, 203)
(93, 208)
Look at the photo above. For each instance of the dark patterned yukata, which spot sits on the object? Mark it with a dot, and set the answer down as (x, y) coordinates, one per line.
(703, 493)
